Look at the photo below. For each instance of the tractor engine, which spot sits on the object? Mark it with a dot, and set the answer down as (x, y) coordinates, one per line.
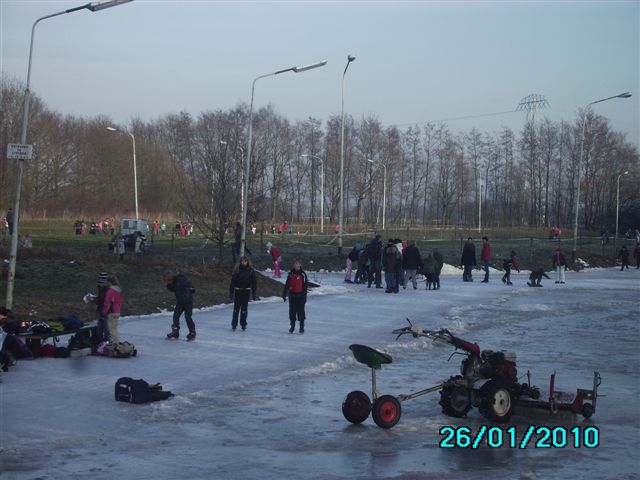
(499, 365)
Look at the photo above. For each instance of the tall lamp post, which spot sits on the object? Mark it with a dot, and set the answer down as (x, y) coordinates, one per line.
(384, 192)
(299, 69)
(350, 58)
(618, 205)
(584, 124)
(224, 142)
(135, 169)
(321, 188)
(94, 7)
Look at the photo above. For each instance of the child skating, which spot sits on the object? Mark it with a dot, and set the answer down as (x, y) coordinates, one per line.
(512, 261)
(296, 289)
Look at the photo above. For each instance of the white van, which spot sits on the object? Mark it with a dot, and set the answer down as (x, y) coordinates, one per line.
(129, 226)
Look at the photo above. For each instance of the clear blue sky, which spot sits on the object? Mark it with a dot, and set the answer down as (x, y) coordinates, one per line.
(417, 61)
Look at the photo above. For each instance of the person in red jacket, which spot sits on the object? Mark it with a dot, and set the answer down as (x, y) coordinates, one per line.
(111, 307)
(485, 256)
(277, 258)
(296, 288)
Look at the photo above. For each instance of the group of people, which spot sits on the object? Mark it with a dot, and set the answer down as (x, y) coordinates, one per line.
(401, 261)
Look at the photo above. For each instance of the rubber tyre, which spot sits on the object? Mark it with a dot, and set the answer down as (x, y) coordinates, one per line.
(386, 411)
(587, 410)
(356, 407)
(455, 400)
(497, 402)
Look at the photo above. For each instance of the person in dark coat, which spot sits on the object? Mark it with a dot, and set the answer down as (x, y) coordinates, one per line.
(535, 278)
(179, 284)
(296, 288)
(440, 262)
(351, 258)
(411, 262)
(559, 265)
(623, 255)
(468, 260)
(362, 274)
(507, 264)
(102, 333)
(374, 252)
(242, 285)
(391, 258)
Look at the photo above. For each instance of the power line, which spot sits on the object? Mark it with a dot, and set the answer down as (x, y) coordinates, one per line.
(466, 117)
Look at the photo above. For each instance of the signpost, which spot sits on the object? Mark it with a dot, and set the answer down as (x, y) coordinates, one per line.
(19, 151)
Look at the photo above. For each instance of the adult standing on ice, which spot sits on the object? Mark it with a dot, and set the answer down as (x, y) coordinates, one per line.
(276, 257)
(411, 262)
(623, 255)
(296, 288)
(111, 307)
(179, 284)
(468, 260)
(485, 256)
(559, 264)
(243, 284)
(352, 257)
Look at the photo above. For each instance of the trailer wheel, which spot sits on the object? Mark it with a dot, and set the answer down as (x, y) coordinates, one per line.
(455, 400)
(356, 407)
(386, 411)
(496, 401)
(587, 410)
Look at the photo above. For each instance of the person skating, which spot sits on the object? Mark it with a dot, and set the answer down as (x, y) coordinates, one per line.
(362, 274)
(430, 267)
(440, 263)
(535, 278)
(623, 255)
(391, 258)
(179, 284)
(485, 256)
(276, 257)
(468, 260)
(411, 262)
(559, 265)
(352, 257)
(296, 288)
(374, 252)
(636, 253)
(243, 284)
(507, 264)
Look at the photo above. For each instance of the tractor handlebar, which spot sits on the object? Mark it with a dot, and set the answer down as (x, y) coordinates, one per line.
(443, 335)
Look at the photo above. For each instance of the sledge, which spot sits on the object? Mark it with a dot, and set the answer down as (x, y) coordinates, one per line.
(488, 381)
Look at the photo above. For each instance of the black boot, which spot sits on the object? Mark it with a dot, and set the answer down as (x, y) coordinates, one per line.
(175, 333)
(191, 336)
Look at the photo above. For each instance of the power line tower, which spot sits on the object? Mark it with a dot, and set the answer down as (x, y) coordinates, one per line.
(531, 103)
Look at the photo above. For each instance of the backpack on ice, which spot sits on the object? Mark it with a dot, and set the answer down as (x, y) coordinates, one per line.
(138, 391)
(120, 350)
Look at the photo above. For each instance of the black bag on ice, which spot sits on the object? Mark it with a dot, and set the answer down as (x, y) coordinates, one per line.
(132, 391)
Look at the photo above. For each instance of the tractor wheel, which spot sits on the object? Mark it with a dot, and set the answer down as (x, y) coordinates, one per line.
(356, 407)
(455, 399)
(386, 411)
(496, 401)
(587, 410)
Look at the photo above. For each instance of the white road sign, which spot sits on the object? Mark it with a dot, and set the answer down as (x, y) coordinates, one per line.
(19, 151)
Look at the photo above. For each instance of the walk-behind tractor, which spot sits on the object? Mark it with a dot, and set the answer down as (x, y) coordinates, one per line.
(488, 380)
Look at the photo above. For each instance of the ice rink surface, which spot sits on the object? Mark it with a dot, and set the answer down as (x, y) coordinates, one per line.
(266, 404)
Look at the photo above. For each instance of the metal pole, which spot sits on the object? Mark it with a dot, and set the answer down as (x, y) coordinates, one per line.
(242, 179)
(384, 196)
(480, 205)
(321, 196)
(135, 175)
(350, 58)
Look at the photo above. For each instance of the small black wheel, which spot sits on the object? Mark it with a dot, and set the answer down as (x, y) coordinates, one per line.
(496, 401)
(455, 399)
(386, 411)
(587, 410)
(356, 407)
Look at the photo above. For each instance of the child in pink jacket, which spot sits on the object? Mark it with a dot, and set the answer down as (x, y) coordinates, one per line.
(111, 307)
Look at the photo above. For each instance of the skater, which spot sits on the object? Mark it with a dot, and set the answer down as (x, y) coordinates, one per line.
(636, 253)
(179, 284)
(363, 266)
(440, 262)
(352, 257)
(468, 260)
(512, 261)
(535, 278)
(429, 269)
(296, 288)
(559, 265)
(111, 307)
(623, 255)
(485, 256)
(411, 262)
(374, 252)
(391, 259)
(276, 257)
(103, 328)
(243, 284)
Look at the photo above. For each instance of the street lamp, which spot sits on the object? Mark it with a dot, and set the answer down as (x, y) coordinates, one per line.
(384, 191)
(224, 142)
(321, 189)
(94, 7)
(135, 171)
(618, 205)
(302, 68)
(350, 58)
(584, 124)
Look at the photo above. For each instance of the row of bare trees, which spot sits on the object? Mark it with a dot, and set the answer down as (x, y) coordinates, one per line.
(191, 168)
